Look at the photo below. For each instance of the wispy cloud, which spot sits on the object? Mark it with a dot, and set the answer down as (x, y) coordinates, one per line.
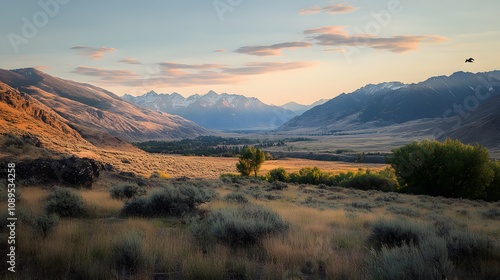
(130, 61)
(172, 65)
(42, 67)
(258, 68)
(92, 52)
(272, 50)
(336, 36)
(220, 50)
(109, 75)
(340, 8)
(182, 75)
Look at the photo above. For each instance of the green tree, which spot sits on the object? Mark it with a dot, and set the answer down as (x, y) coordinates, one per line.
(449, 169)
(492, 192)
(277, 174)
(251, 160)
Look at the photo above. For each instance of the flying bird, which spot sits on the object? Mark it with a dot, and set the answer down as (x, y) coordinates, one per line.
(471, 60)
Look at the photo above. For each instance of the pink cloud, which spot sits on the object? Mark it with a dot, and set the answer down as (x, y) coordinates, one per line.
(272, 50)
(337, 36)
(340, 8)
(130, 61)
(182, 75)
(93, 53)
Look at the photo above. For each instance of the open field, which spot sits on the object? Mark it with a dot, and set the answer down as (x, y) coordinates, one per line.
(327, 237)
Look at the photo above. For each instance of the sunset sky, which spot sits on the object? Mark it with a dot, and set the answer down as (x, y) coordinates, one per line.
(277, 51)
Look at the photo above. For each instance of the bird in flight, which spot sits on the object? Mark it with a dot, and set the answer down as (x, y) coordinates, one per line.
(471, 60)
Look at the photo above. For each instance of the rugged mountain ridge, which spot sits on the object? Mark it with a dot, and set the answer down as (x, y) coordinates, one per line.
(92, 110)
(395, 103)
(300, 108)
(216, 111)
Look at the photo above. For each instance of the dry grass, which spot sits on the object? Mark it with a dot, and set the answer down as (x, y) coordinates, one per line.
(326, 240)
(294, 165)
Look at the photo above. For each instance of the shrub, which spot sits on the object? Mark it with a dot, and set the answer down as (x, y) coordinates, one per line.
(169, 201)
(369, 182)
(466, 247)
(236, 197)
(392, 197)
(277, 186)
(136, 208)
(240, 226)
(492, 213)
(44, 224)
(65, 203)
(362, 205)
(278, 174)
(126, 191)
(449, 169)
(427, 261)
(399, 210)
(396, 233)
(127, 253)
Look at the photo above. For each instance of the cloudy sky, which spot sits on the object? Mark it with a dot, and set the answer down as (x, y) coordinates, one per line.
(277, 51)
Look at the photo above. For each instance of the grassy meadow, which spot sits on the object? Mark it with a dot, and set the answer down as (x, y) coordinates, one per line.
(330, 233)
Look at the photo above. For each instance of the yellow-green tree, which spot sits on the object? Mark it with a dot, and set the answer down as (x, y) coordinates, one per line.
(450, 169)
(251, 160)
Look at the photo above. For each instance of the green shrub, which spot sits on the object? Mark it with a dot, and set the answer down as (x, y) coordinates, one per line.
(369, 182)
(392, 197)
(428, 261)
(240, 226)
(400, 210)
(278, 174)
(169, 201)
(467, 248)
(362, 205)
(126, 191)
(136, 208)
(236, 197)
(277, 186)
(44, 224)
(65, 203)
(492, 214)
(449, 169)
(396, 233)
(128, 254)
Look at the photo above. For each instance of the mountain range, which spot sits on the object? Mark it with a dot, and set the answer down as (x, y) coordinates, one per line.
(385, 104)
(217, 111)
(82, 111)
(299, 109)
(462, 106)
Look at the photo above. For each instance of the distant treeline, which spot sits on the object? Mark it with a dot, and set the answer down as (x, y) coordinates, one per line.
(211, 145)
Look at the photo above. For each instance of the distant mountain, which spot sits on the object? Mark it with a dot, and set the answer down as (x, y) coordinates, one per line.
(478, 126)
(90, 110)
(300, 108)
(216, 111)
(394, 103)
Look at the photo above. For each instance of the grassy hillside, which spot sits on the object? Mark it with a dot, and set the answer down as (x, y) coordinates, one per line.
(332, 233)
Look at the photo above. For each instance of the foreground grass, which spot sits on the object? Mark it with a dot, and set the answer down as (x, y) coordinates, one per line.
(327, 238)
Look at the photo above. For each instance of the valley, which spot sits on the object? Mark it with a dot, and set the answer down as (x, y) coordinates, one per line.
(323, 205)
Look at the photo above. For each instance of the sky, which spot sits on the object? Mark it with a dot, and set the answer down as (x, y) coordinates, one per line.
(277, 51)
